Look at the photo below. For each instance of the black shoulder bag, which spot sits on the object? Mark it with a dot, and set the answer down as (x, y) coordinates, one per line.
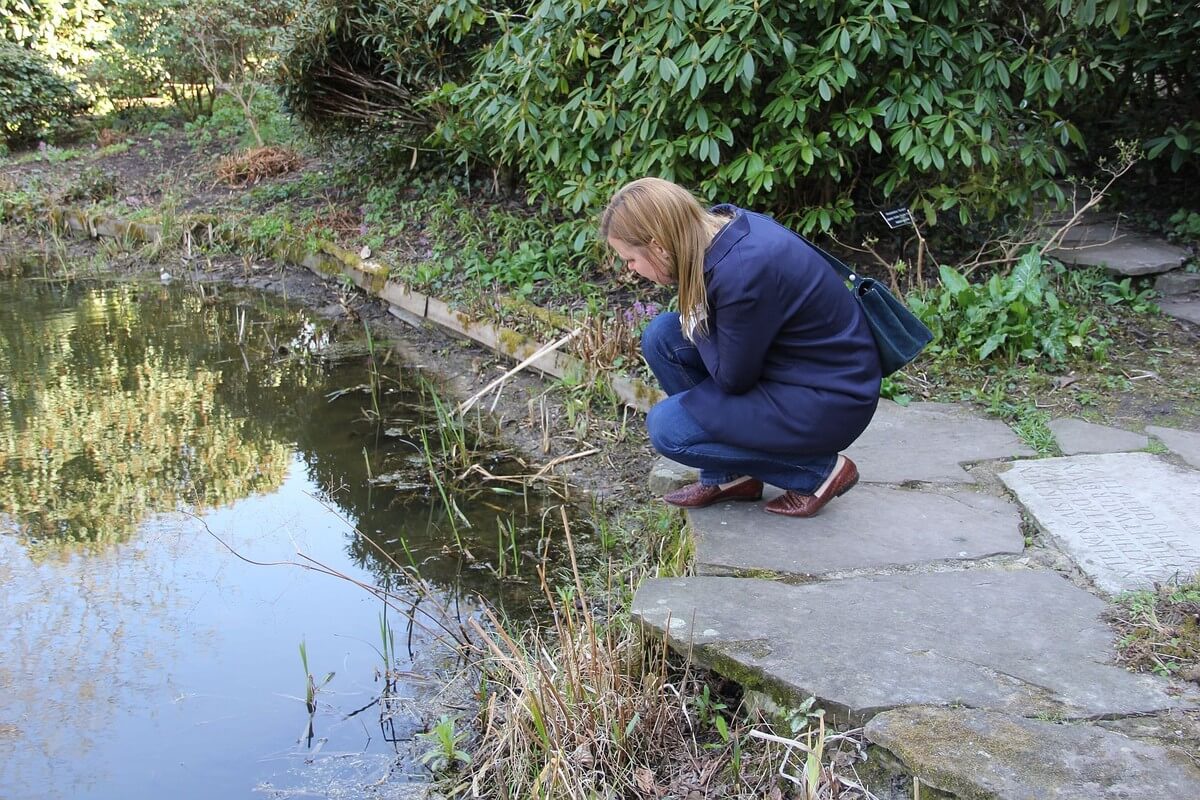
(899, 335)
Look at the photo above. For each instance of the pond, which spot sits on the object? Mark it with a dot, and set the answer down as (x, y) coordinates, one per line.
(190, 493)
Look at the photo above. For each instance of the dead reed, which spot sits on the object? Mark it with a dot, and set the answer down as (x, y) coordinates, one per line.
(251, 166)
(583, 707)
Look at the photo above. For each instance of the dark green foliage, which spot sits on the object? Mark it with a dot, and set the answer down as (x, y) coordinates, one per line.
(34, 100)
(815, 110)
(1152, 50)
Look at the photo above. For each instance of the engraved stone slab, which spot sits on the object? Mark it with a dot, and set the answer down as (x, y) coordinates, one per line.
(929, 442)
(1127, 519)
(1026, 642)
(972, 753)
(1183, 443)
(870, 527)
(1076, 436)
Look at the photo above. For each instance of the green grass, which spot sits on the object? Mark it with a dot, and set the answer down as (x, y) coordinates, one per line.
(1159, 629)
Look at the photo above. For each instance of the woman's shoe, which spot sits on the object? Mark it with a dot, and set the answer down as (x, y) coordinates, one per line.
(698, 495)
(840, 481)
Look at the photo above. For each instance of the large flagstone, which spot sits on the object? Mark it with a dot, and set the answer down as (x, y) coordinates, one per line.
(982, 754)
(1020, 641)
(930, 442)
(871, 527)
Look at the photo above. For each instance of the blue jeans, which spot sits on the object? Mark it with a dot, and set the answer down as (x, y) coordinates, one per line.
(678, 435)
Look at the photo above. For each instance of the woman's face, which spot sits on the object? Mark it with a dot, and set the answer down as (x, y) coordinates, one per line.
(649, 262)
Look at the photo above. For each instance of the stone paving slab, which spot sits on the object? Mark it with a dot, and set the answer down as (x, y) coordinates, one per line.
(667, 475)
(1186, 310)
(1177, 283)
(1126, 253)
(1074, 436)
(929, 442)
(1185, 444)
(1126, 519)
(871, 527)
(983, 754)
(1025, 642)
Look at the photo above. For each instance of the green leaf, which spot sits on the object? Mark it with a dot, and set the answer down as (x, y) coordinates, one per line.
(747, 67)
(994, 341)
(699, 80)
(953, 280)
(667, 69)
(628, 71)
(1051, 78)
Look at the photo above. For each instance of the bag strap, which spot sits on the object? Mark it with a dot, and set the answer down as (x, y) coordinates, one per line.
(834, 262)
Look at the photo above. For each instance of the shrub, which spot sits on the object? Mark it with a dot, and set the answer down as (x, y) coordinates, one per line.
(229, 121)
(369, 65)
(125, 77)
(34, 100)
(153, 38)
(813, 110)
(1150, 50)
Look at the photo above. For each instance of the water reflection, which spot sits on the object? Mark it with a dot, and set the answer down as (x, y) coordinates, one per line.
(112, 410)
(138, 656)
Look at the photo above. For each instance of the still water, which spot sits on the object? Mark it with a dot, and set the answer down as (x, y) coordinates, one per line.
(152, 445)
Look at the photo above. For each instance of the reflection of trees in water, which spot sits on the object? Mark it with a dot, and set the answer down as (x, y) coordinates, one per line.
(122, 402)
(89, 642)
(119, 403)
(412, 525)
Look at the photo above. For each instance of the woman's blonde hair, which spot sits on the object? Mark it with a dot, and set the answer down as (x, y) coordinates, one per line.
(652, 211)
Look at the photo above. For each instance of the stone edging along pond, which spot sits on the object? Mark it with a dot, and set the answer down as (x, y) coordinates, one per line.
(371, 276)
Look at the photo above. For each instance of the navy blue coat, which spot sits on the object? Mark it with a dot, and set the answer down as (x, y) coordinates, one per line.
(793, 366)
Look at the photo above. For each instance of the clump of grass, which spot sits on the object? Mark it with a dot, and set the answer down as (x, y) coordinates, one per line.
(1160, 629)
(585, 707)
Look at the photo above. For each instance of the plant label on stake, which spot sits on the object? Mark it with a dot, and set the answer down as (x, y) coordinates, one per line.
(897, 217)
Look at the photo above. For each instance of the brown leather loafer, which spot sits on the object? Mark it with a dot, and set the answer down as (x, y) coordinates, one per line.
(794, 504)
(697, 495)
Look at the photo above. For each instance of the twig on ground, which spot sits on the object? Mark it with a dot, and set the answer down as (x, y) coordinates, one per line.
(541, 351)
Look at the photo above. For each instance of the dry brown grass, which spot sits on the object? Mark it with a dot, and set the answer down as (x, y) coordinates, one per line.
(584, 707)
(342, 223)
(251, 166)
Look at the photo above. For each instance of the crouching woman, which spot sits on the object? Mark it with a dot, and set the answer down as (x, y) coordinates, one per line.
(769, 366)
